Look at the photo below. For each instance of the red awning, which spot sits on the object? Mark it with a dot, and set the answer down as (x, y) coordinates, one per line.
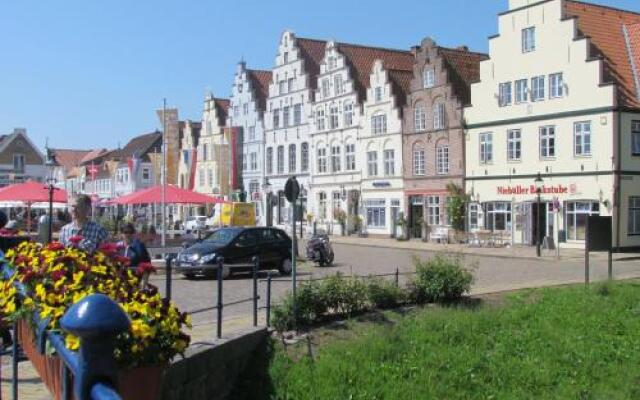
(173, 195)
(31, 192)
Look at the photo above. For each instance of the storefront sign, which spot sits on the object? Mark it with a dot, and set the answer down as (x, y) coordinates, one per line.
(380, 184)
(525, 190)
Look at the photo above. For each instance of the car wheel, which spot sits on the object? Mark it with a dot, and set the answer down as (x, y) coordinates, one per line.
(330, 258)
(285, 267)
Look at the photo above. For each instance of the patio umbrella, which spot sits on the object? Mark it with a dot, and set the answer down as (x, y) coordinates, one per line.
(29, 193)
(173, 195)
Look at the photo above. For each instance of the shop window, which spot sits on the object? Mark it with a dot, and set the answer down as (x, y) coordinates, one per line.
(433, 210)
(576, 213)
(498, 216)
(376, 213)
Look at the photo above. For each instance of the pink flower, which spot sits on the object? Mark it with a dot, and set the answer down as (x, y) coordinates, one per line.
(75, 240)
(108, 248)
(145, 267)
(55, 246)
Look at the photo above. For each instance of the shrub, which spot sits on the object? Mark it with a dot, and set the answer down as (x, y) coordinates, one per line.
(282, 315)
(384, 294)
(440, 279)
(344, 295)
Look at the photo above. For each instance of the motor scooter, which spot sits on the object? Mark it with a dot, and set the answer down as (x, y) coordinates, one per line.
(319, 250)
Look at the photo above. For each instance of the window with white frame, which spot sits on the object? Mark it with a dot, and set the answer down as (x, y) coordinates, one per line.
(290, 82)
(292, 157)
(504, 94)
(252, 133)
(320, 119)
(428, 77)
(253, 161)
(322, 205)
(474, 215)
(528, 39)
(379, 124)
(348, 114)
(556, 85)
(332, 63)
(254, 188)
(547, 141)
(537, 88)
(245, 109)
(514, 144)
(236, 111)
(335, 204)
(634, 216)
(438, 116)
(282, 87)
(420, 117)
(210, 177)
(297, 114)
(419, 167)
(442, 159)
(276, 118)
(576, 214)
(280, 160)
(486, 148)
(244, 161)
(582, 138)
(201, 176)
(205, 152)
(498, 216)
(269, 160)
(350, 156)
(325, 87)
(433, 210)
(333, 117)
(337, 83)
(389, 162)
(521, 90)
(377, 94)
(304, 157)
(376, 213)
(285, 116)
(146, 174)
(18, 162)
(372, 163)
(322, 160)
(335, 158)
(635, 138)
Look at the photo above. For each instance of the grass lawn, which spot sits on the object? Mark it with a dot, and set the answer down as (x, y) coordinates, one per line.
(562, 343)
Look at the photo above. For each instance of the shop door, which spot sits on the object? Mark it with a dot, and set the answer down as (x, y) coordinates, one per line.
(417, 216)
(538, 230)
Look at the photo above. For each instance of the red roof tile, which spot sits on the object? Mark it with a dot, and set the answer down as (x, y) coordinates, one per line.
(361, 59)
(222, 110)
(260, 81)
(69, 158)
(401, 85)
(464, 69)
(93, 154)
(633, 32)
(312, 51)
(604, 26)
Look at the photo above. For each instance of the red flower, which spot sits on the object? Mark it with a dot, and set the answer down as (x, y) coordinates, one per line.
(145, 267)
(57, 275)
(55, 246)
(75, 239)
(125, 261)
(27, 277)
(108, 248)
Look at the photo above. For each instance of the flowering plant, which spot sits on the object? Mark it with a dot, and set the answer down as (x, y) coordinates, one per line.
(56, 277)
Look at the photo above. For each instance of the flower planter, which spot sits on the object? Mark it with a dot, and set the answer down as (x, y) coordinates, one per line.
(143, 383)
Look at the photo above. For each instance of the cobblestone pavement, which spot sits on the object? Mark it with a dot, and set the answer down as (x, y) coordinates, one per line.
(495, 270)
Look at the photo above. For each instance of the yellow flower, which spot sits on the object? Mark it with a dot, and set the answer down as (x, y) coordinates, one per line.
(72, 342)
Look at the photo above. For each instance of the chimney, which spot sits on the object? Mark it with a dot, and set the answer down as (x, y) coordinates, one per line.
(414, 50)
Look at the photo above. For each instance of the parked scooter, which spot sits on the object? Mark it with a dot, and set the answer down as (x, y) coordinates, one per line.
(319, 250)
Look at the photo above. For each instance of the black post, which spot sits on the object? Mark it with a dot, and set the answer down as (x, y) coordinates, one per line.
(269, 210)
(610, 264)
(256, 262)
(14, 363)
(220, 305)
(586, 254)
(50, 231)
(269, 299)
(538, 225)
(397, 277)
(168, 275)
(315, 227)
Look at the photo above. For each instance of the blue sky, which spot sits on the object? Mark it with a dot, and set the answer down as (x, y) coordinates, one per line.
(90, 74)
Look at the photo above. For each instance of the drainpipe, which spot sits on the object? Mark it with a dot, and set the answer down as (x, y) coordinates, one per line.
(617, 180)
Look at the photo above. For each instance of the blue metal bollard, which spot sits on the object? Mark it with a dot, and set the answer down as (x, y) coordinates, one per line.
(96, 320)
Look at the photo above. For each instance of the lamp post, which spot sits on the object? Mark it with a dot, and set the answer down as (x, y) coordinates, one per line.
(51, 180)
(266, 187)
(538, 182)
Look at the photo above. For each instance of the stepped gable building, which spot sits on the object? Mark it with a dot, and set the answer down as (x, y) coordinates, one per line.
(213, 156)
(559, 96)
(247, 109)
(190, 134)
(287, 128)
(433, 131)
(356, 135)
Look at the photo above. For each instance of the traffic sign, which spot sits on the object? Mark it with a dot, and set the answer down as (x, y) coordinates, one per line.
(292, 189)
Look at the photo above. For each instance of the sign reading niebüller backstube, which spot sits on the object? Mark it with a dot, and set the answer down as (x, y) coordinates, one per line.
(531, 189)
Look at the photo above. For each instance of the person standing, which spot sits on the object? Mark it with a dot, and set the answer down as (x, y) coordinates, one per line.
(134, 249)
(92, 233)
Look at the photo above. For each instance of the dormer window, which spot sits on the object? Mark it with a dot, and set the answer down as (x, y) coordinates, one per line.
(528, 39)
(429, 77)
(377, 94)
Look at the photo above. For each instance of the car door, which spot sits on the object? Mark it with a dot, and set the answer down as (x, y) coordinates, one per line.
(269, 256)
(282, 245)
(243, 248)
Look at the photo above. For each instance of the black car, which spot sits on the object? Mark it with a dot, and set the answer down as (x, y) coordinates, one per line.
(237, 246)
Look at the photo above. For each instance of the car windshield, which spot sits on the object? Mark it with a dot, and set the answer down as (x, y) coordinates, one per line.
(222, 236)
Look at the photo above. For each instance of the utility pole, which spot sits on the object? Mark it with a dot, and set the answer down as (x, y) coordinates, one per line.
(164, 171)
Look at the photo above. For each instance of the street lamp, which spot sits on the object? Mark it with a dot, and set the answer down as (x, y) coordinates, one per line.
(266, 187)
(538, 182)
(51, 180)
